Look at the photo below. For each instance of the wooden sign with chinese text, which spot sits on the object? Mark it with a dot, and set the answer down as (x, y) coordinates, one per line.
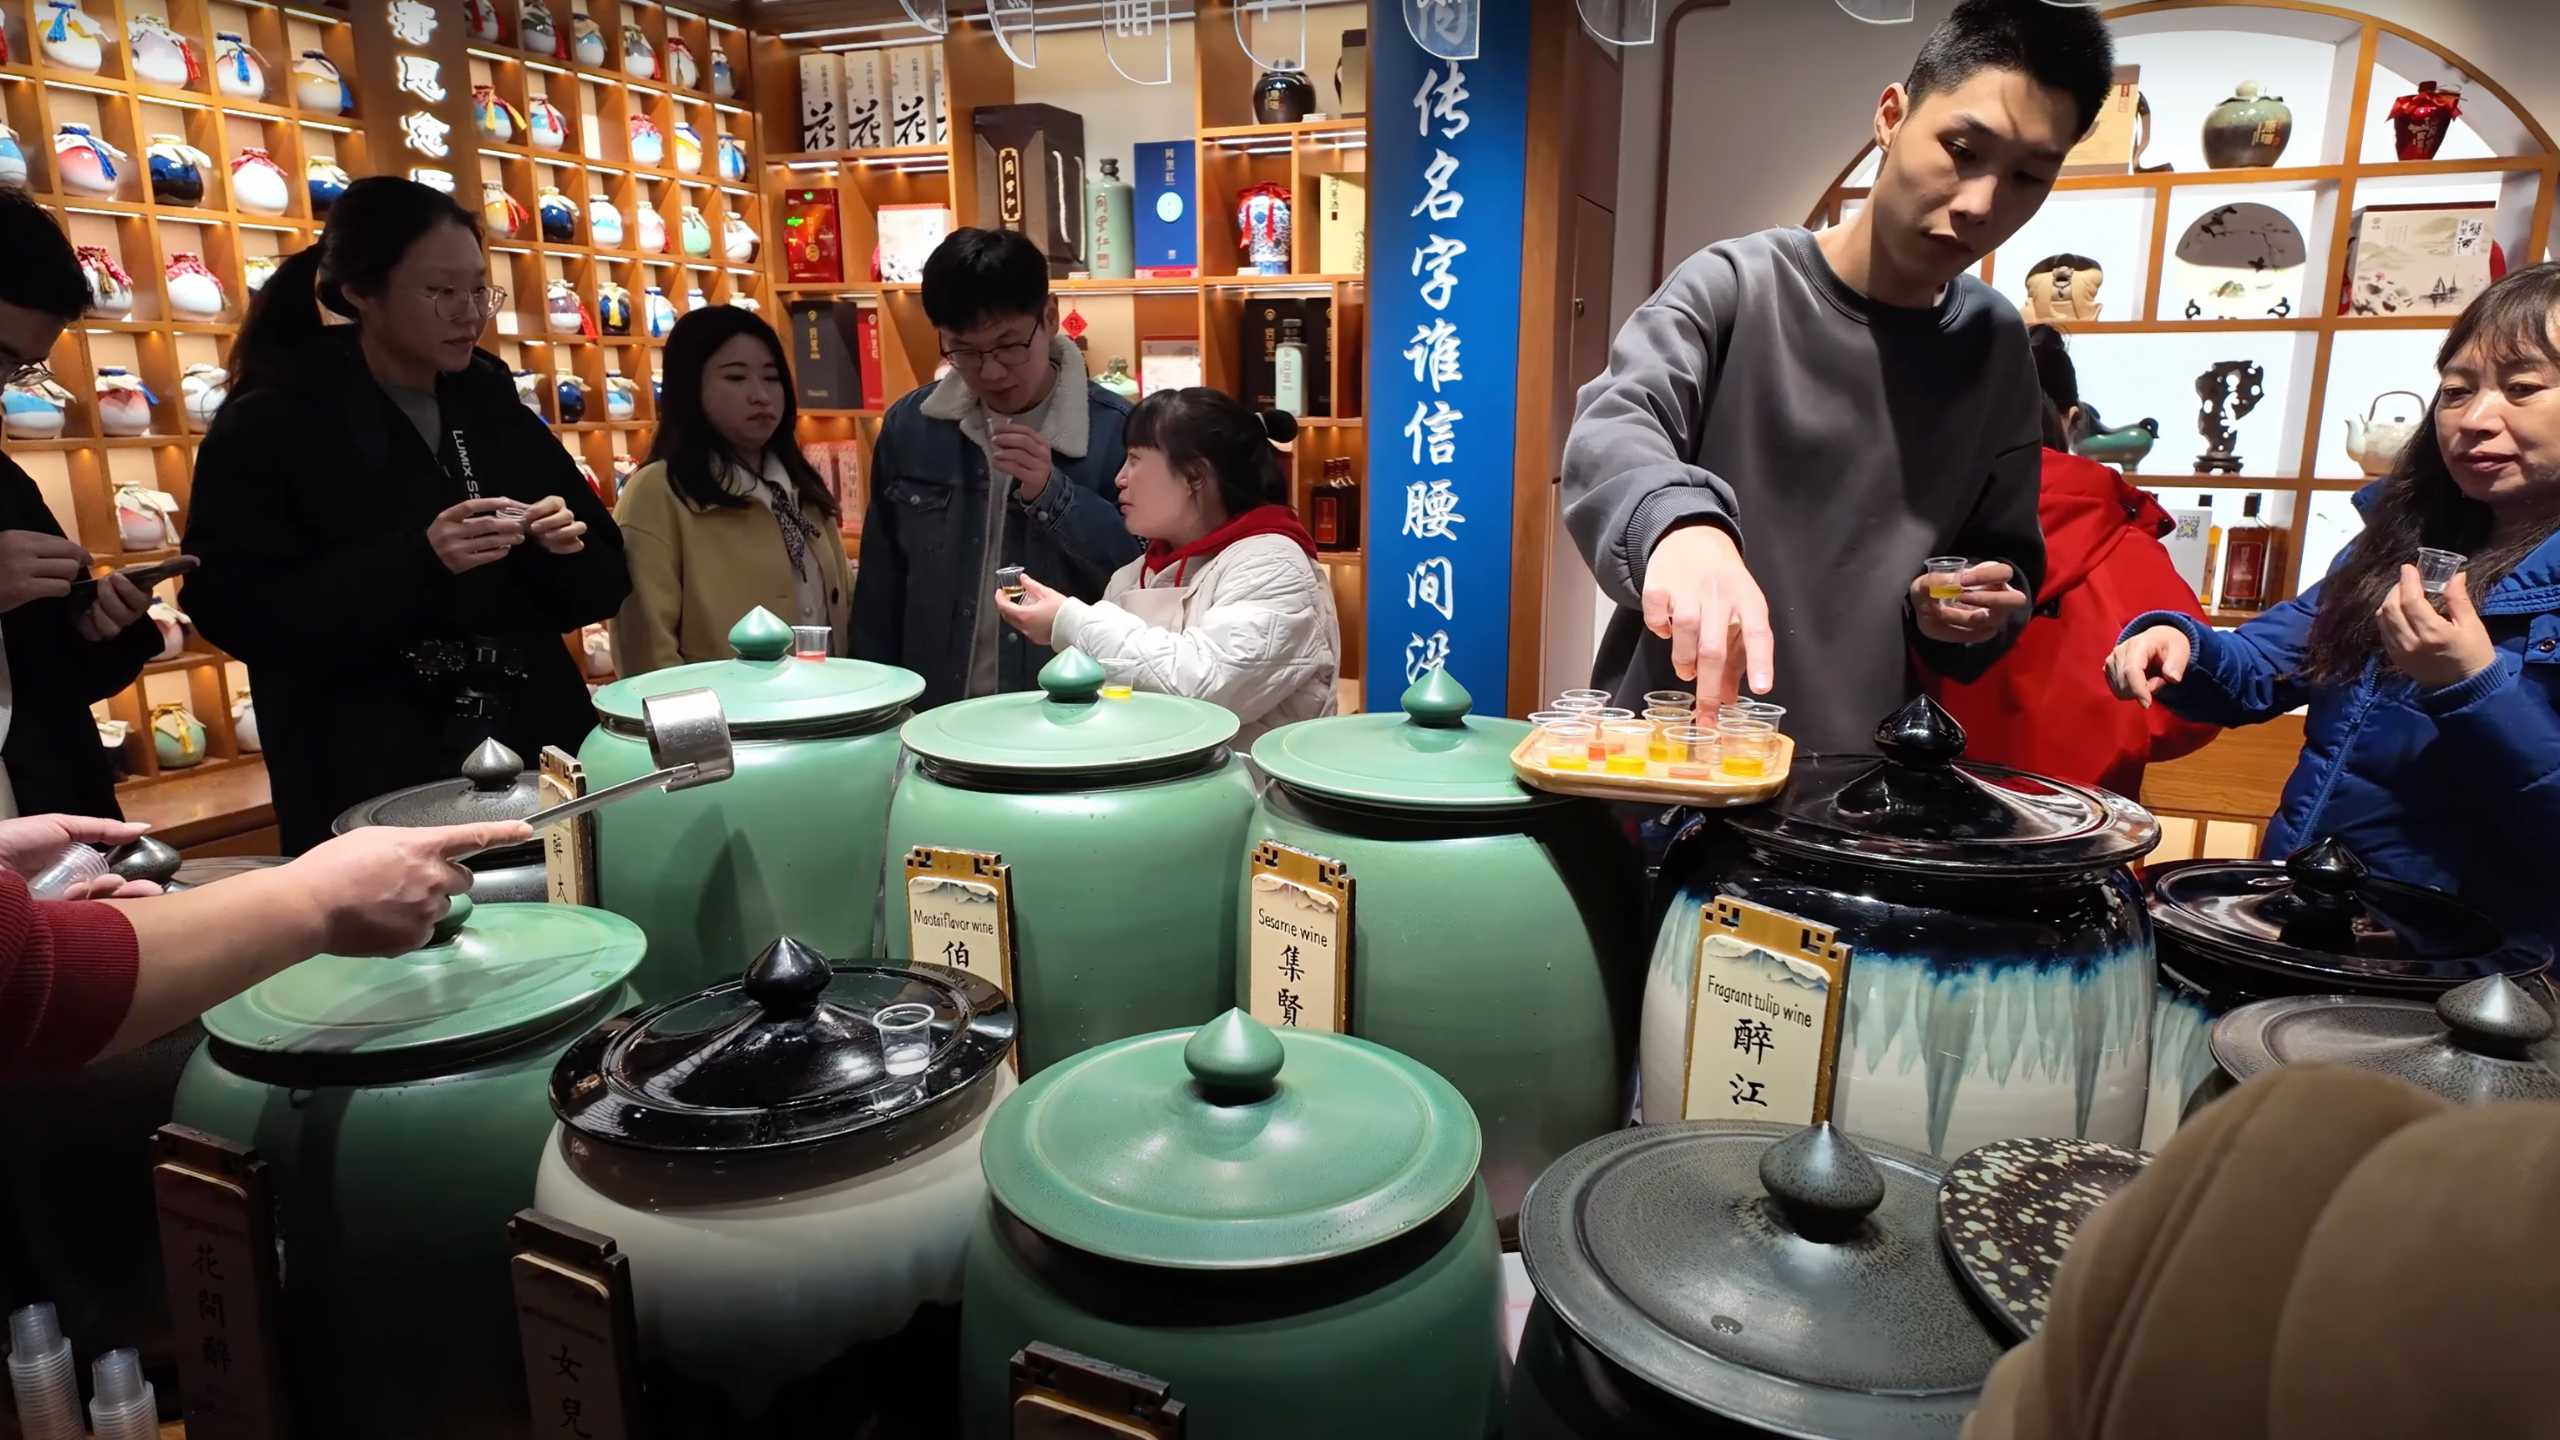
(568, 850)
(576, 1320)
(1299, 917)
(414, 70)
(218, 1252)
(960, 912)
(1766, 1000)
(1061, 1395)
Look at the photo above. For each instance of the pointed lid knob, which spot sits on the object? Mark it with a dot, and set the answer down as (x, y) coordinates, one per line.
(1235, 1058)
(1073, 678)
(760, 635)
(1437, 699)
(492, 766)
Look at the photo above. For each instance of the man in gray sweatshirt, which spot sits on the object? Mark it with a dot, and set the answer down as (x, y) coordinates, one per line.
(1843, 406)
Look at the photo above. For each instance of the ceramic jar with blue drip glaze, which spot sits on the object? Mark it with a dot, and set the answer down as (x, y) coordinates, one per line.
(2001, 964)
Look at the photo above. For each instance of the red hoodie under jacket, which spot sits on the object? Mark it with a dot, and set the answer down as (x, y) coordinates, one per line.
(2045, 706)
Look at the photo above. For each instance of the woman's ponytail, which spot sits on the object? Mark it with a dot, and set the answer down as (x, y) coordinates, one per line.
(285, 314)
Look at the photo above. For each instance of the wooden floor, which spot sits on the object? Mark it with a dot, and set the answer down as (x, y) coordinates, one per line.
(221, 812)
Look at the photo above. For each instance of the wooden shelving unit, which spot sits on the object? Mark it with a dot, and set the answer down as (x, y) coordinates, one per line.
(2521, 170)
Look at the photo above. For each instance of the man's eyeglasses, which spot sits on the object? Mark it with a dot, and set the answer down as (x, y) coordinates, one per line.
(475, 304)
(964, 357)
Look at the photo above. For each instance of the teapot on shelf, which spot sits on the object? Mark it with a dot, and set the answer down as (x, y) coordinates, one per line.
(2375, 444)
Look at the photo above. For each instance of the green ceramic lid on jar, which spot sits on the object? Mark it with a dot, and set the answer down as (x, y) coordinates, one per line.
(1433, 756)
(767, 692)
(1231, 1147)
(489, 974)
(1070, 729)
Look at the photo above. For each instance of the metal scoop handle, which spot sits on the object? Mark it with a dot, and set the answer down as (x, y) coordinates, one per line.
(688, 737)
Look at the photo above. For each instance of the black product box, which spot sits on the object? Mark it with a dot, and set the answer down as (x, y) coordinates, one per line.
(1031, 178)
(1263, 315)
(826, 366)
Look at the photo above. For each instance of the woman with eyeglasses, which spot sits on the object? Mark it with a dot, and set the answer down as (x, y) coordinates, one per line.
(390, 540)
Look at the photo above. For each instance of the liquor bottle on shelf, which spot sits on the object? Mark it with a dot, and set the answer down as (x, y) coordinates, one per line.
(1289, 369)
(2255, 554)
(1334, 509)
(2212, 552)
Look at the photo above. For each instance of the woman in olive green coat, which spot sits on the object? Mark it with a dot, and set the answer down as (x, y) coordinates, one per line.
(728, 514)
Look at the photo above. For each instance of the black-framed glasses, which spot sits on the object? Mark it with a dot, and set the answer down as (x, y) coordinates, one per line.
(1009, 355)
(477, 303)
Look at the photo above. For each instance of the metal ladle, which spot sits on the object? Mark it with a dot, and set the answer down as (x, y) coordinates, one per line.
(688, 739)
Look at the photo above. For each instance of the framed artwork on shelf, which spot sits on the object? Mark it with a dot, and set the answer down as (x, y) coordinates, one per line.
(1168, 362)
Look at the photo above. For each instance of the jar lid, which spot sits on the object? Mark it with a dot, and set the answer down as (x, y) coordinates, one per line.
(1916, 808)
(1069, 728)
(490, 974)
(2322, 919)
(2009, 1212)
(494, 785)
(1434, 756)
(1231, 1147)
(1786, 1278)
(793, 1052)
(2477, 1043)
(767, 693)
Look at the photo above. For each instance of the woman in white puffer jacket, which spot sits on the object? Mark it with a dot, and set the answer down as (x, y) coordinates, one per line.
(1228, 603)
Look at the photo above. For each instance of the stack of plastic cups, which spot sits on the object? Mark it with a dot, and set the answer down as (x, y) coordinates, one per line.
(41, 1376)
(123, 1407)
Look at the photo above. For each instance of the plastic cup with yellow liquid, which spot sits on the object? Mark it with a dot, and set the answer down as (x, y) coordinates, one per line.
(1748, 748)
(1946, 577)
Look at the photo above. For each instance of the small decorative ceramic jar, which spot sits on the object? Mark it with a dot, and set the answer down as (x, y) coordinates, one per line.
(326, 180)
(639, 57)
(595, 652)
(124, 405)
(2248, 130)
(498, 120)
(13, 159)
(529, 390)
(651, 228)
(176, 735)
(563, 314)
(146, 518)
(733, 158)
(480, 19)
(573, 399)
(244, 723)
(546, 125)
(254, 270)
(694, 232)
(2420, 121)
(35, 407)
(203, 388)
(258, 183)
(70, 39)
(161, 55)
(110, 289)
(538, 32)
(559, 216)
(740, 239)
(173, 624)
(237, 69)
(648, 143)
(683, 70)
(621, 397)
(500, 212)
(724, 80)
(604, 223)
(111, 738)
(688, 149)
(317, 85)
(1284, 96)
(662, 312)
(694, 299)
(613, 309)
(177, 170)
(1118, 380)
(85, 164)
(586, 41)
(195, 293)
(1262, 227)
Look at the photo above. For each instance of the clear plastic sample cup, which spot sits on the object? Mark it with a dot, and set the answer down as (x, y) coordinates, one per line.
(1664, 719)
(1565, 741)
(906, 1038)
(1943, 572)
(2436, 568)
(1580, 700)
(1009, 581)
(1761, 710)
(1628, 743)
(811, 642)
(1693, 752)
(1747, 747)
(1670, 700)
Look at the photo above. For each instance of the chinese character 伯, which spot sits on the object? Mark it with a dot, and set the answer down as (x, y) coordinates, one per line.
(425, 134)
(1291, 1002)
(1747, 1092)
(1434, 351)
(413, 22)
(955, 953)
(417, 75)
(1422, 655)
(1431, 511)
(1752, 1038)
(1434, 426)
(1437, 255)
(1433, 585)
(1289, 966)
(1440, 199)
(1439, 98)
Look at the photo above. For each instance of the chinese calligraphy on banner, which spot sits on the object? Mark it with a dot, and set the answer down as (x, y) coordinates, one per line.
(413, 51)
(1447, 158)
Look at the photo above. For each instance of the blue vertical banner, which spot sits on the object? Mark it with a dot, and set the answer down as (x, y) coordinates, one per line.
(1447, 165)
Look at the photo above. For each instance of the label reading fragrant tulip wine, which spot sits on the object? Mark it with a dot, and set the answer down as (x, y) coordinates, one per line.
(568, 850)
(1765, 1005)
(1301, 939)
(579, 1331)
(960, 912)
(218, 1251)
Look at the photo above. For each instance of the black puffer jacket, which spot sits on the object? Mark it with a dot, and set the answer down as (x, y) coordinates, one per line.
(54, 760)
(312, 499)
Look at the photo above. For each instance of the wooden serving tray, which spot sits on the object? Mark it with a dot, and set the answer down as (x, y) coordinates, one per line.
(1654, 787)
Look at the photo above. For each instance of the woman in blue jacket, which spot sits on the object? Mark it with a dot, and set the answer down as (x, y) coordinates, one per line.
(2433, 746)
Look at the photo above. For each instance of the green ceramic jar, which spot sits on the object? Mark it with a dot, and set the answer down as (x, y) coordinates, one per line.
(787, 845)
(1492, 927)
(1285, 1228)
(402, 1104)
(1122, 821)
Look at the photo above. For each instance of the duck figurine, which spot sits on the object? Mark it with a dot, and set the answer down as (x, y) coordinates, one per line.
(2123, 447)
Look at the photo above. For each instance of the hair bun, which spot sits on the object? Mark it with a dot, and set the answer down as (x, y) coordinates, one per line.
(1280, 425)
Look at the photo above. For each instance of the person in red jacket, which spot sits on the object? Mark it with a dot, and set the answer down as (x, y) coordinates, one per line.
(2045, 705)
